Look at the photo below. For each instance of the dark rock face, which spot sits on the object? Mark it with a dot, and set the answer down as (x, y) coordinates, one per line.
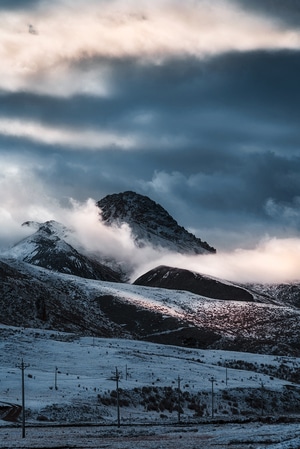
(179, 279)
(69, 261)
(150, 223)
(7, 272)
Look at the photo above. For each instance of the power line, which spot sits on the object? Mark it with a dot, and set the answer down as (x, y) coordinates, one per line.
(212, 379)
(117, 378)
(55, 378)
(178, 398)
(22, 367)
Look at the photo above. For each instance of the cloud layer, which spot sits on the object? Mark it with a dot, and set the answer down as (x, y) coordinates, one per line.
(195, 104)
(272, 260)
(44, 47)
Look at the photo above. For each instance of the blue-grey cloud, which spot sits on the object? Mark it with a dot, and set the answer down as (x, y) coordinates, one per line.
(17, 4)
(211, 136)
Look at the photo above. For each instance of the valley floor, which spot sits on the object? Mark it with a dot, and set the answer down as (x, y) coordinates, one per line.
(71, 380)
(235, 436)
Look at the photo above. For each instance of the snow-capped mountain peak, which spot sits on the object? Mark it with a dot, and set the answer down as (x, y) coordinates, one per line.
(51, 228)
(51, 247)
(150, 223)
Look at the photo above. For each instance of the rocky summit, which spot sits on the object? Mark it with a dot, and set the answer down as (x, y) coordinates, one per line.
(150, 223)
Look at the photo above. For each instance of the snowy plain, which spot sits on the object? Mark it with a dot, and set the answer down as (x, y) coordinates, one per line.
(233, 436)
(67, 374)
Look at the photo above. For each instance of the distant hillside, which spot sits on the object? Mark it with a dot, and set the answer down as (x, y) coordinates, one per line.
(36, 297)
(179, 279)
(286, 294)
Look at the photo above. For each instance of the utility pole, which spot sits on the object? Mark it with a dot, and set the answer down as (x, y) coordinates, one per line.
(117, 378)
(178, 398)
(226, 376)
(212, 379)
(262, 399)
(55, 378)
(22, 367)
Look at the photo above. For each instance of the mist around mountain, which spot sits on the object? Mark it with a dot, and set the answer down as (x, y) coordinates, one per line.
(49, 281)
(150, 231)
(49, 247)
(150, 223)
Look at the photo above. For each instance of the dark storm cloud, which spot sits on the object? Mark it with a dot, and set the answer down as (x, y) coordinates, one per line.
(254, 86)
(214, 132)
(216, 183)
(242, 189)
(221, 134)
(18, 4)
(287, 11)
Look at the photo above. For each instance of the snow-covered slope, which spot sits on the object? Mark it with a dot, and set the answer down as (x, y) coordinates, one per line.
(46, 283)
(150, 223)
(72, 379)
(36, 297)
(287, 294)
(50, 247)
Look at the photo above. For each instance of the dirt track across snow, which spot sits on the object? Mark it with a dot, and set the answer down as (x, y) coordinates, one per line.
(235, 436)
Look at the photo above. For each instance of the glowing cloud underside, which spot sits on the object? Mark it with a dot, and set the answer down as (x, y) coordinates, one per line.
(39, 46)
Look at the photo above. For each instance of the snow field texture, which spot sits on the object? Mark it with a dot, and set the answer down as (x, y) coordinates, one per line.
(72, 379)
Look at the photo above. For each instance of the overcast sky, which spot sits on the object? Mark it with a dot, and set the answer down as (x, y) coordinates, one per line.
(195, 104)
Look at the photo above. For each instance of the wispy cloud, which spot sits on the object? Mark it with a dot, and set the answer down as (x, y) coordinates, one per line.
(273, 260)
(66, 137)
(69, 33)
(22, 197)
